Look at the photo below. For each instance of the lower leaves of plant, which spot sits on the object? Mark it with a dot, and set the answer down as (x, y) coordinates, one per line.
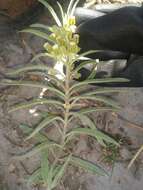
(70, 116)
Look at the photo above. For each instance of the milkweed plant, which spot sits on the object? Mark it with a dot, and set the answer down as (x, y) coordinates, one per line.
(71, 115)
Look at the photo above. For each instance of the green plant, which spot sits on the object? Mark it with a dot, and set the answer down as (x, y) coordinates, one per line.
(69, 99)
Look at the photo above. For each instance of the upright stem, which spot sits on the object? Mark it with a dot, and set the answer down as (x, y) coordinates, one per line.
(67, 102)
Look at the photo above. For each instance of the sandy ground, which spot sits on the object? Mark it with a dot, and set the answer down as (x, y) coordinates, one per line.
(127, 126)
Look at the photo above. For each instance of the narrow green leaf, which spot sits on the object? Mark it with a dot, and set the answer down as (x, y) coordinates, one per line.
(93, 73)
(34, 102)
(91, 110)
(51, 10)
(87, 53)
(49, 77)
(45, 166)
(87, 165)
(38, 33)
(60, 173)
(37, 25)
(22, 83)
(94, 133)
(43, 124)
(78, 85)
(61, 10)
(107, 101)
(74, 7)
(39, 55)
(106, 138)
(53, 171)
(39, 137)
(28, 68)
(32, 152)
(103, 91)
(70, 7)
(32, 84)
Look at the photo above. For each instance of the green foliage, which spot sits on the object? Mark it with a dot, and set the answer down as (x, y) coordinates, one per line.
(89, 166)
(67, 98)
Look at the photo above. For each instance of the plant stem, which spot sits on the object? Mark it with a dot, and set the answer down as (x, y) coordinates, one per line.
(66, 113)
(67, 102)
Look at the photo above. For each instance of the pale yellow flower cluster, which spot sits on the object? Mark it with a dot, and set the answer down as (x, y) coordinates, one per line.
(64, 41)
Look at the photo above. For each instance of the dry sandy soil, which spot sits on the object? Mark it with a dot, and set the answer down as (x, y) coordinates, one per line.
(127, 125)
